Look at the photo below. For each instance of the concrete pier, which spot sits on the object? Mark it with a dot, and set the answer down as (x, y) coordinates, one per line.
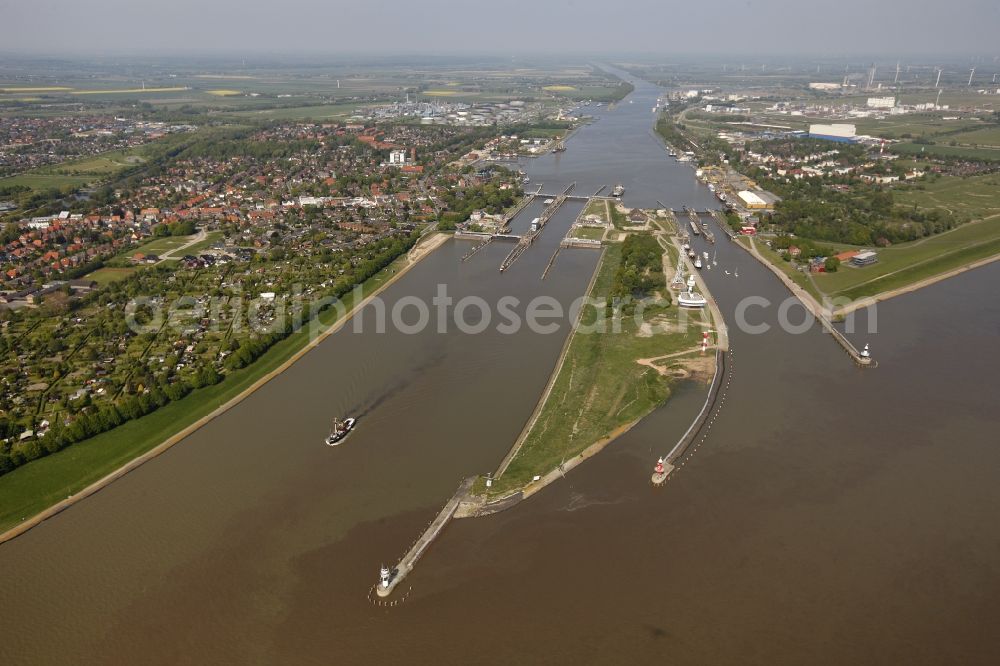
(720, 380)
(406, 564)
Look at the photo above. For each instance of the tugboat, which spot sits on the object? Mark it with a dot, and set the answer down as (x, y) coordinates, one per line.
(618, 191)
(340, 430)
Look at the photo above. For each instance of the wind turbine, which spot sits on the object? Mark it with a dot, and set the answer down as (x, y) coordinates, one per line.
(937, 84)
(971, 74)
(896, 80)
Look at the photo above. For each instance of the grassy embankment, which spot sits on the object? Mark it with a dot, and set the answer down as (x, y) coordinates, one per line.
(600, 386)
(39, 484)
(976, 198)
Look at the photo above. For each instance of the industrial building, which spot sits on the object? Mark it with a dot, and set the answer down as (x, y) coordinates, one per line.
(751, 200)
(839, 132)
(865, 258)
(881, 102)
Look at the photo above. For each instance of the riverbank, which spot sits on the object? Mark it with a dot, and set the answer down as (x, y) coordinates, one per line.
(39, 490)
(814, 306)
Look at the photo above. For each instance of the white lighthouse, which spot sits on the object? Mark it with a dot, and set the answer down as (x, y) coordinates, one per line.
(383, 575)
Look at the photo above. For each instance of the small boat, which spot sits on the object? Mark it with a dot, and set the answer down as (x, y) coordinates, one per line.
(691, 254)
(618, 191)
(340, 430)
(697, 262)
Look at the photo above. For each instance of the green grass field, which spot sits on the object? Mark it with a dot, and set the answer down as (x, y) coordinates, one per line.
(900, 265)
(599, 386)
(986, 136)
(40, 181)
(98, 165)
(975, 196)
(32, 488)
(159, 246)
(210, 239)
(939, 150)
(108, 274)
(592, 233)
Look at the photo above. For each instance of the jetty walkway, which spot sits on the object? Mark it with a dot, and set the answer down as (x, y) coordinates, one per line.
(405, 565)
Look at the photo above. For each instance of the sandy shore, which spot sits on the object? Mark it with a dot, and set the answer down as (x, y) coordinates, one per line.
(423, 248)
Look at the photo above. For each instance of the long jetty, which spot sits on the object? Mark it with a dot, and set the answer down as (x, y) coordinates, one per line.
(405, 565)
(720, 380)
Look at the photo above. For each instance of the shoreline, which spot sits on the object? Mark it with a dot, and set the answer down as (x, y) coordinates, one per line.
(557, 368)
(436, 240)
(810, 302)
(914, 286)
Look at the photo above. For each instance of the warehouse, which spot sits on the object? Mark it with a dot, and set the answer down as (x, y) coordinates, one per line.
(839, 132)
(751, 200)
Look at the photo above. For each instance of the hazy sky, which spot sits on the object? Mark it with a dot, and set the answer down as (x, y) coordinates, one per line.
(835, 27)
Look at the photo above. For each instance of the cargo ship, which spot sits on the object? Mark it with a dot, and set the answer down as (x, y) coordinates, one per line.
(340, 430)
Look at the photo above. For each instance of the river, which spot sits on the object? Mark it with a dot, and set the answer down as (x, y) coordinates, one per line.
(833, 515)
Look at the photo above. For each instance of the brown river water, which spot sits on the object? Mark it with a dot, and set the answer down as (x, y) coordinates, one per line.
(832, 515)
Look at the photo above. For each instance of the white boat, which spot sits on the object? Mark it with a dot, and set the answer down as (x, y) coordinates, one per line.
(697, 262)
(339, 431)
(691, 298)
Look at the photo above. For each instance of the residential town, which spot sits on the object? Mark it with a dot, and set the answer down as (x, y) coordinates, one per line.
(29, 142)
(254, 231)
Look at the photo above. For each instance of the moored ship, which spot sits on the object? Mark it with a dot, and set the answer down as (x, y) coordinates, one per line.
(618, 191)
